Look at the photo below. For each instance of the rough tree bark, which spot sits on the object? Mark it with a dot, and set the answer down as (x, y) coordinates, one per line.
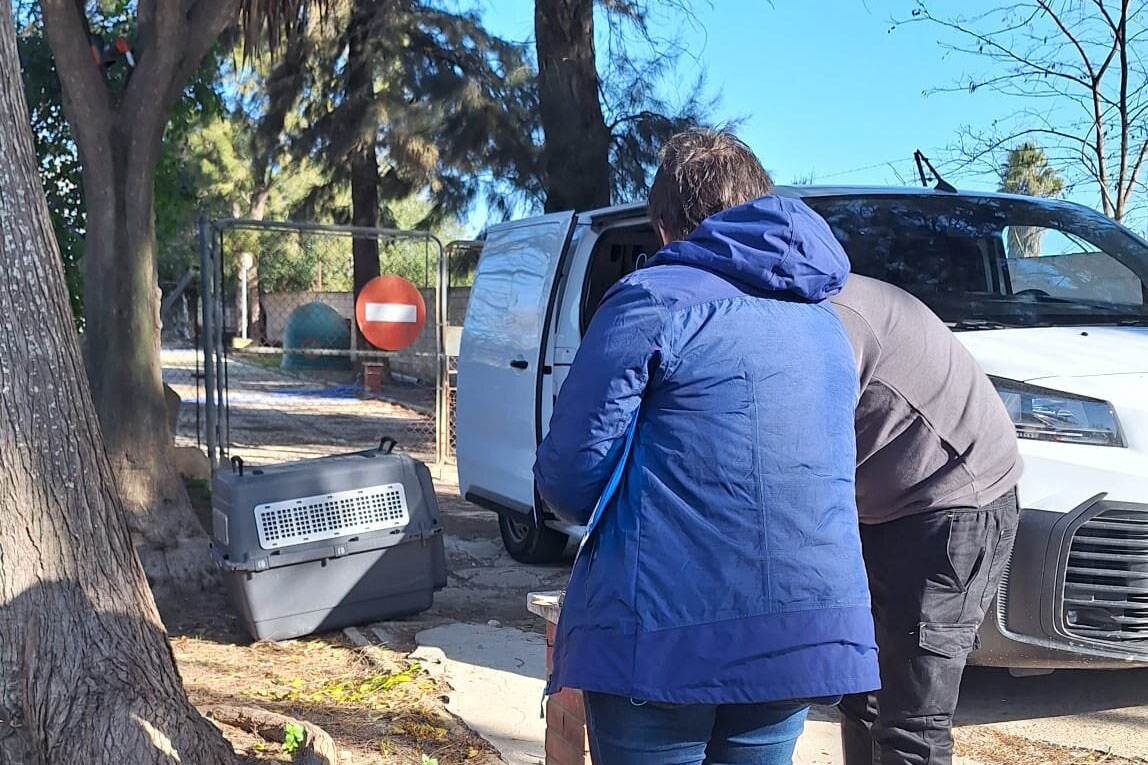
(364, 160)
(86, 673)
(576, 156)
(118, 137)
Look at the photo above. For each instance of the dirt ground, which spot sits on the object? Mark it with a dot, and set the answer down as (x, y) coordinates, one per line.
(380, 707)
(271, 415)
(1085, 717)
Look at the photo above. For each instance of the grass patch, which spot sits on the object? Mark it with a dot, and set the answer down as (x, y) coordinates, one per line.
(382, 716)
(199, 492)
(265, 360)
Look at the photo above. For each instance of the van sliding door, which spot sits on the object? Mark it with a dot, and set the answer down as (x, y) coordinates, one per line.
(501, 359)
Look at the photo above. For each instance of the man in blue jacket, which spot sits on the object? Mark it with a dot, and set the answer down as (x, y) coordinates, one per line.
(722, 589)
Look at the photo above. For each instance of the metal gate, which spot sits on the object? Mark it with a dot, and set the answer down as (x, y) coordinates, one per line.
(288, 374)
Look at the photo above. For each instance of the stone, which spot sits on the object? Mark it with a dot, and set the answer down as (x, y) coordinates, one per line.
(173, 402)
(192, 463)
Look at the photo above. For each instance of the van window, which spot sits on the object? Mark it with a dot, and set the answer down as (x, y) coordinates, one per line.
(986, 261)
(617, 252)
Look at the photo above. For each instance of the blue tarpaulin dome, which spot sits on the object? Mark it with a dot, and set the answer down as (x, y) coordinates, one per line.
(316, 326)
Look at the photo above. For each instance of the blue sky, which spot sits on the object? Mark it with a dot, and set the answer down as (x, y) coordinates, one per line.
(823, 86)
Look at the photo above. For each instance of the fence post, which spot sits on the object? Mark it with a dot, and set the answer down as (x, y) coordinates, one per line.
(442, 398)
(218, 292)
(207, 317)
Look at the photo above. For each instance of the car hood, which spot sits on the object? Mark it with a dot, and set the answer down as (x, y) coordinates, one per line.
(1036, 353)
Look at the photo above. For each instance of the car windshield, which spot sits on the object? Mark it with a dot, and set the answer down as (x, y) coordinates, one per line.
(984, 262)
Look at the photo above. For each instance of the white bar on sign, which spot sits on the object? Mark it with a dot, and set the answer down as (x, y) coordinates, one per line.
(399, 313)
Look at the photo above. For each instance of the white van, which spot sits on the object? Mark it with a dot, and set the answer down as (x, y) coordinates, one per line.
(1049, 296)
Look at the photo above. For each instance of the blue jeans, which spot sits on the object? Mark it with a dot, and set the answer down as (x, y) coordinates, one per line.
(628, 732)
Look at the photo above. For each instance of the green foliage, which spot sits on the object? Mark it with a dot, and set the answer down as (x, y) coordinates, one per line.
(1027, 171)
(453, 114)
(294, 737)
(424, 760)
(176, 192)
(450, 107)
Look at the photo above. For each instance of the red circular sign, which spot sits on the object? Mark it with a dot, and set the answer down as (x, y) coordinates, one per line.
(390, 312)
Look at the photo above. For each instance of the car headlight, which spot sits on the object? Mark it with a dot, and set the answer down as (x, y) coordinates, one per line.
(1043, 414)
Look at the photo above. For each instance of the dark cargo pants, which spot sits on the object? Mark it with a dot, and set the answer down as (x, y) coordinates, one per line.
(932, 577)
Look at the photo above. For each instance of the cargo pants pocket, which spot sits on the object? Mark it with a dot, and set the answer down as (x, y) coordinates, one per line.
(949, 641)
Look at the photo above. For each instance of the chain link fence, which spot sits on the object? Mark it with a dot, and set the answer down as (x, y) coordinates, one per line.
(182, 358)
(291, 373)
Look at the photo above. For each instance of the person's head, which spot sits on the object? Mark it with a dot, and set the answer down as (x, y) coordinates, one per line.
(703, 171)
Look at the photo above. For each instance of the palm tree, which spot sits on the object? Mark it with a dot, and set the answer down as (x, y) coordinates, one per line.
(1027, 171)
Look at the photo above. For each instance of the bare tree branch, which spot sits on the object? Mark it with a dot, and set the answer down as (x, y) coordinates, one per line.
(1076, 43)
(206, 21)
(1005, 52)
(1064, 55)
(87, 101)
(1122, 41)
(1137, 166)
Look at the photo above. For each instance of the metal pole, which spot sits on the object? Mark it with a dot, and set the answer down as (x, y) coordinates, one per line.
(442, 307)
(246, 260)
(207, 315)
(219, 295)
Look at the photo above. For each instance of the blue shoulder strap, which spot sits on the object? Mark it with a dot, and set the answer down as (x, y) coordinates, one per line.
(611, 485)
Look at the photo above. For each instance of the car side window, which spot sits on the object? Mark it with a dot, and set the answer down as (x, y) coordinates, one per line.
(1047, 262)
(897, 241)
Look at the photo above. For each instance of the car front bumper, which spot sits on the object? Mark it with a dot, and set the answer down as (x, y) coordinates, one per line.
(1075, 593)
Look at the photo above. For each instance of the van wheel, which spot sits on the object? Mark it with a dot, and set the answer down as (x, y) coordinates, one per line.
(529, 543)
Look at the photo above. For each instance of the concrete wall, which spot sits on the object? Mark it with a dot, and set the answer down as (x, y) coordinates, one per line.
(418, 360)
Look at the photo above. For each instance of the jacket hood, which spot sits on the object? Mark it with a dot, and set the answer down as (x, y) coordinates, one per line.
(773, 244)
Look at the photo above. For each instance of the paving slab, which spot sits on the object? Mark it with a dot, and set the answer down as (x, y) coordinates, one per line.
(497, 676)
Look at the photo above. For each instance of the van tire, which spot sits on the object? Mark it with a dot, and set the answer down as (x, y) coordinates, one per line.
(529, 543)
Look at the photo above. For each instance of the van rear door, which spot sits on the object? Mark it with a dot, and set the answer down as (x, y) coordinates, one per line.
(501, 360)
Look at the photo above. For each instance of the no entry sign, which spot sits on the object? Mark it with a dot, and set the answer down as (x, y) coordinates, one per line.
(390, 312)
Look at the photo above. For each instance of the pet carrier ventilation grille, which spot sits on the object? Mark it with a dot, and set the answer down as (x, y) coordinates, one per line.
(326, 516)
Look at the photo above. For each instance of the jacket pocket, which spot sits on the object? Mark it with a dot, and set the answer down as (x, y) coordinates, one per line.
(949, 641)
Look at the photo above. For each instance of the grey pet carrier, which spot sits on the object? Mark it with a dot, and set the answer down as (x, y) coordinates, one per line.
(325, 543)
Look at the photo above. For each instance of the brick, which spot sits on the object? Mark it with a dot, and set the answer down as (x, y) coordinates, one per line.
(570, 725)
(573, 728)
(562, 751)
(566, 729)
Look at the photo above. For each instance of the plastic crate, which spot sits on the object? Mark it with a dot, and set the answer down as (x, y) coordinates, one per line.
(325, 543)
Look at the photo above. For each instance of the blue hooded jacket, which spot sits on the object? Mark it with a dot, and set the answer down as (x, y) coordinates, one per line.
(727, 565)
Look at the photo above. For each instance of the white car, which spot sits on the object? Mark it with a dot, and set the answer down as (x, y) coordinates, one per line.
(1049, 296)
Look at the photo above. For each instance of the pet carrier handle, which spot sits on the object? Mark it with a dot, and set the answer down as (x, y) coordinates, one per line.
(387, 444)
(237, 465)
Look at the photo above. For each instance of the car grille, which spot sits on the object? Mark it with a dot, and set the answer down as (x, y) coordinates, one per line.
(1002, 596)
(1106, 583)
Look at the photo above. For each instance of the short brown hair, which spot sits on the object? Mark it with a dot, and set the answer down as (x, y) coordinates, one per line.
(703, 171)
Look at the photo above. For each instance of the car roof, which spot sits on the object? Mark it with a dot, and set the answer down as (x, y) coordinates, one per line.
(636, 209)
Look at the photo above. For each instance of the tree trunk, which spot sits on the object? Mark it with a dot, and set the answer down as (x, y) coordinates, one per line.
(364, 160)
(255, 332)
(118, 139)
(86, 673)
(123, 359)
(121, 305)
(576, 156)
